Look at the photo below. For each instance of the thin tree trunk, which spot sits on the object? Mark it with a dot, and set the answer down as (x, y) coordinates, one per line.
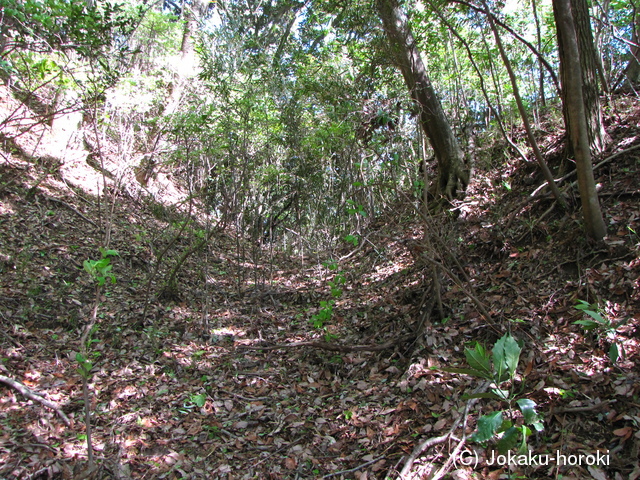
(517, 36)
(496, 114)
(534, 7)
(632, 71)
(523, 113)
(573, 95)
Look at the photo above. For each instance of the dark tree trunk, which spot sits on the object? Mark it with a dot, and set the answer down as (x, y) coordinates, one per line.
(588, 65)
(452, 173)
(574, 105)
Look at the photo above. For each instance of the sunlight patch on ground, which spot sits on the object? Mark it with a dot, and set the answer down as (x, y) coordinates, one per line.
(6, 209)
(228, 331)
(386, 271)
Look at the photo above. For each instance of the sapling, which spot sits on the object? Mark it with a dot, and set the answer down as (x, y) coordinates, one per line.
(602, 326)
(100, 271)
(84, 369)
(326, 306)
(500, 369)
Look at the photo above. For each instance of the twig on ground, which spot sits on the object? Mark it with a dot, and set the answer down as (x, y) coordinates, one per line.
(37, 473)
(536, 222)
(11, 339)
(246, 399)
(284, 447)
(356, 250)
(588, 408)
(30, 394)
(430, 442)
(354, 469)
(64, 204)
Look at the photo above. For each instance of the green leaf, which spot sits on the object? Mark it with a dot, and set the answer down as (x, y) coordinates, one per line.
(501, 393)
(528, 409)
(539, 426)
(591, 310)
(506, 425)
(506, 354)
(509, 440)
(488, 425)
(199, 400)
(526, 433)
(596, 316)
(614, 353)
(353, 239)
(587, 324)
(582, 305)
(478, 359)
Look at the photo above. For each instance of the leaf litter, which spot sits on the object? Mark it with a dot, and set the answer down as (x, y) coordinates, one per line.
(204, 386)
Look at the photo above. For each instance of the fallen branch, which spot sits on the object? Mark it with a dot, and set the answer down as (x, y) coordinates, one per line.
(332, 346)
(284, 447)
(588, 408)
(430, 442)
(64, 204)
(595, 167)
(38, 473)
(35, 397)
(537, 195)
(246, 399)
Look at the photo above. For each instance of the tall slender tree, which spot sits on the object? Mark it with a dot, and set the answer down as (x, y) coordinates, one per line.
(574, 104)
(587, 56)
(453, 175)
(523, 113)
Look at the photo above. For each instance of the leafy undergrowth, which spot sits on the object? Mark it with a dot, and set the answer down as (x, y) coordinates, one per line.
(227, 376)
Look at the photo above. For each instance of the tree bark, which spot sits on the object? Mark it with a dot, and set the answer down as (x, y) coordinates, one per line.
(632, 71)
(574, 104)
(588, 65)
(453, 175)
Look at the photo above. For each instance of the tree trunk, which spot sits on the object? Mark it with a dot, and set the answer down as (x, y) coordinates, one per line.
(588, 65)
(452, 173)
(523, 113)
(543, 100)
(572, 90)
(632, 71)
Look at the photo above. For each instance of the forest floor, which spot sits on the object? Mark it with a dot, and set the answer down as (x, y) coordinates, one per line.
(227, 376)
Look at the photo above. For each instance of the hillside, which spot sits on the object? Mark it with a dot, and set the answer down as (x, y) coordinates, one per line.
(243, 368)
